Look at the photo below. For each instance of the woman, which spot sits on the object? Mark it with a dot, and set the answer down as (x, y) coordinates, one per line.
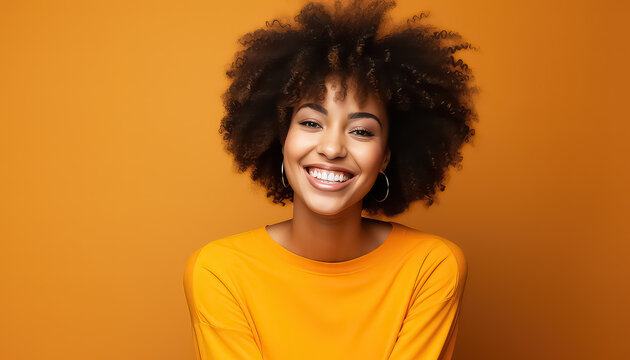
(338, 117)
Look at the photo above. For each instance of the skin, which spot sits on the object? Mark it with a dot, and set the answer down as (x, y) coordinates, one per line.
(327, 225)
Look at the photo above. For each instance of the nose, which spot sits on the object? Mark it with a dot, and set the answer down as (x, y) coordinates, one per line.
(332, 144)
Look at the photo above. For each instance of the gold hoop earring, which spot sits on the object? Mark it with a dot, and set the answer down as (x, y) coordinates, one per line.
(387, 193)
(282, 174)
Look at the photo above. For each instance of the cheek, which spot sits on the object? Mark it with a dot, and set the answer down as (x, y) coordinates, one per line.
(370, 158)
(295, 144)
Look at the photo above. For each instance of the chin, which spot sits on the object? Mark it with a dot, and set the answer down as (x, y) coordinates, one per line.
(324, 209)
(326, 212)
(325, 206)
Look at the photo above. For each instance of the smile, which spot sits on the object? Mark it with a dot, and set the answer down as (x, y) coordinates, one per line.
(328, 180)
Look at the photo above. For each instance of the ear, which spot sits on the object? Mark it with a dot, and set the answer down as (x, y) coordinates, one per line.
(386, 158)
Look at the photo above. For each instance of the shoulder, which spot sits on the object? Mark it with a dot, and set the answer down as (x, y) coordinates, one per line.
(435, 245)
(219, 268)
(212, 279)
(440, 258)
(220, 255)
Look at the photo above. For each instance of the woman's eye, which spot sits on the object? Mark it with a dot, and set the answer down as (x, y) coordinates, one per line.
(363, 132)
(360, 132)
(309, 123)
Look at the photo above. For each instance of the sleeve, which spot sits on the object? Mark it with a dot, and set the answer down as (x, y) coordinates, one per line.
(220, 329)
(430, 326)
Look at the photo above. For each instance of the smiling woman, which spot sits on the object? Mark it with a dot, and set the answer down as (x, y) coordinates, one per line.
(338, 116)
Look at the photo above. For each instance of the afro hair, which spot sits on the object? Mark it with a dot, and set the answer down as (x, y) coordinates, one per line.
(411, 68)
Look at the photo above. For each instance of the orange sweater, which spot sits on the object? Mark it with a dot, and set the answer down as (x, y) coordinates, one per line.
(250, 298)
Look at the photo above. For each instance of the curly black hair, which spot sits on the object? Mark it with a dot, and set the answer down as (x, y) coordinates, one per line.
(411, 68)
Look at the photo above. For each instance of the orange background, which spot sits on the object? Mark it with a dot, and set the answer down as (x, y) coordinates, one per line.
(113, 173)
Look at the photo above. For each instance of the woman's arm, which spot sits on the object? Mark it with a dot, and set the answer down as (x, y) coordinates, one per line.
(220, 329)
(430, 326)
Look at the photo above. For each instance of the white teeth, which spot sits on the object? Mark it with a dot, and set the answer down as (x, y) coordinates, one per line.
(326, 175)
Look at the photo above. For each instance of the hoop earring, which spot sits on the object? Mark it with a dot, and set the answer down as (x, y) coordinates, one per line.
(387, 193)
(282, 174)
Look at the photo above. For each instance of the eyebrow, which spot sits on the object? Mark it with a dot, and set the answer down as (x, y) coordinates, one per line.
(316, 107)
(355, 115)
(358, 115)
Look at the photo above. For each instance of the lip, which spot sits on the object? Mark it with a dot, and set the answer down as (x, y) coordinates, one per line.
(320, 185)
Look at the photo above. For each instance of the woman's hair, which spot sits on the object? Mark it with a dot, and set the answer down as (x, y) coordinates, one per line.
(411, 69)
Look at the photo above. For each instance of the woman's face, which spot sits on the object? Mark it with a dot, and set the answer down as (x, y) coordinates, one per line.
(340, 140)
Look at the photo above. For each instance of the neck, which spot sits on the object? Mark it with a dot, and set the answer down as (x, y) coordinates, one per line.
(328, 238)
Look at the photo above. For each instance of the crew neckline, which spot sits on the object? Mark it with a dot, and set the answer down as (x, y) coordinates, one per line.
(335, 268)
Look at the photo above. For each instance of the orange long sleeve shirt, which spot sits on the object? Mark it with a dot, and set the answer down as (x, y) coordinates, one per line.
(250, 298)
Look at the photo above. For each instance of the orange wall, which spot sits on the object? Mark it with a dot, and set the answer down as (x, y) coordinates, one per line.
(113, 173)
